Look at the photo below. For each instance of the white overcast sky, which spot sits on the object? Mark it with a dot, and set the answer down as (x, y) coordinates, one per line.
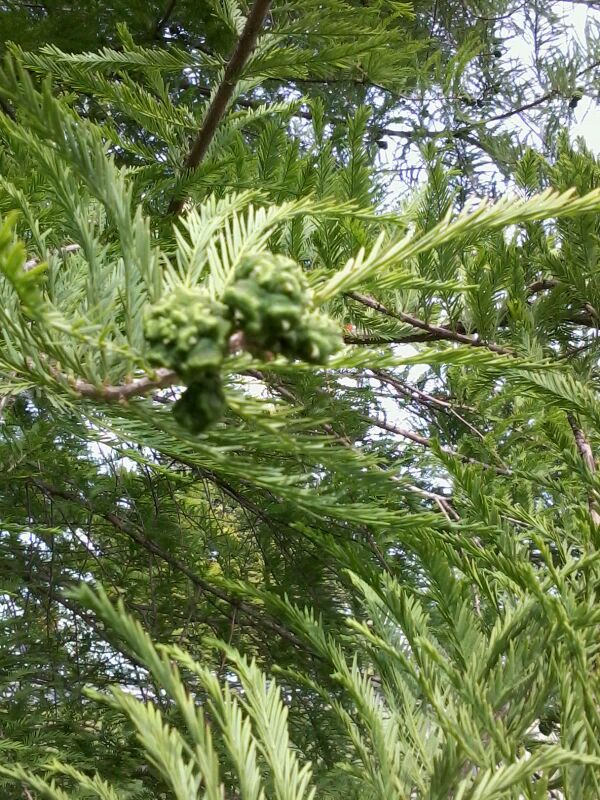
(587, 114)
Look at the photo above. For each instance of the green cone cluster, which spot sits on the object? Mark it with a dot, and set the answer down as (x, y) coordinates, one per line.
(188, 333)
(269, 302)
(202, 403)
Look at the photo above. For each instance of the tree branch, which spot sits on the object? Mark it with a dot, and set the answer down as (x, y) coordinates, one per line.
(465, 129)
(166, 16)
(373, 341)
(434, 331)
(588, 318)
(587, 456)
(138, 536)
(121, 392)
(428, 400)
(426, 442)
(443, 503)
(217, 108)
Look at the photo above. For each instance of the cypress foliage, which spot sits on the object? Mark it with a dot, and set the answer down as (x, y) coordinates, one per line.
(299, 404)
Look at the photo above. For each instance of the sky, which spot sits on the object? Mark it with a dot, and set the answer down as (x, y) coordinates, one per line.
(587, 114)
(588, 124)
(587, 117)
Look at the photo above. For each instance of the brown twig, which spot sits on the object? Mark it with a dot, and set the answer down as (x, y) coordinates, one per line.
(434, 331)
(166, 16)
(426, 442)
(587, 456)
(542, 285)
(588, 318)
(121, 392)
(218, 106)
(375, 341)
(442, 502)
(429, 400)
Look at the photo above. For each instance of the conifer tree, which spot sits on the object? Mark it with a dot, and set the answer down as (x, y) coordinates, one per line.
(299, 412)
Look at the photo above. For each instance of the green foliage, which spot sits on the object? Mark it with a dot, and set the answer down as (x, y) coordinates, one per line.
(300, 495)
(267, 303)
(188, 333)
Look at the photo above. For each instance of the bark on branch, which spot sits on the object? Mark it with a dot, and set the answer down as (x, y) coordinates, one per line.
(587, 456)
(424, 441)
(434, 331)
(121, 392)
(218, 106)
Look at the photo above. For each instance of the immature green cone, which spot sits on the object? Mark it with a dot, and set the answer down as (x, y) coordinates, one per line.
(187, 332)
(268, 299)
(317, 338)
(202, 403)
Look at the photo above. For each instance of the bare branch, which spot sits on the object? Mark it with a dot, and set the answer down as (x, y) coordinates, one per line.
(418, 396)
(442, 502)
(122, 392)
(166, 15)
(424, 441)
(373, 341)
